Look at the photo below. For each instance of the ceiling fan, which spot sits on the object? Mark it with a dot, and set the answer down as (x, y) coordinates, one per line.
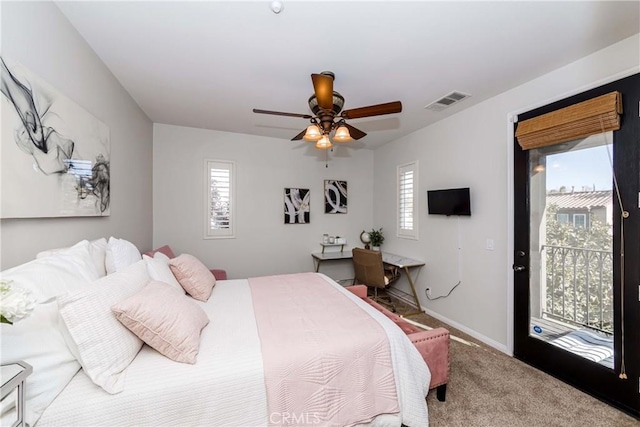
(326, 105)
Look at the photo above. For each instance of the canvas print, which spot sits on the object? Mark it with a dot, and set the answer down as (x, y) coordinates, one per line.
(296, 206)
(335, 196)
(55, 156)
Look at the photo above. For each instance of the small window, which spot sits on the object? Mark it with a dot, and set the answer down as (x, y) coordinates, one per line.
(579, 220)
(220, 195)
(562, 218)
(407, 200)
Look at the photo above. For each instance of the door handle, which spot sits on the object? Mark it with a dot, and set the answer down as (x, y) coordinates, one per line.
(519, 268)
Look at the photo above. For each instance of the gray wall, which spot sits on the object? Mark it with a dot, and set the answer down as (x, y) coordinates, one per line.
(474, 149)
(38, 36)
(471, 148)
(264, 167)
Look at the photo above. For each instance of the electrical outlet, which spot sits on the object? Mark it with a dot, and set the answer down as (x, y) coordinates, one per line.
(428, 290)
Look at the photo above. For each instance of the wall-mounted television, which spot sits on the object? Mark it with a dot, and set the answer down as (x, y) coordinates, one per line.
(453, 201)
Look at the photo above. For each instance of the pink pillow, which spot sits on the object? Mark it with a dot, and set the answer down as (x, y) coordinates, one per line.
(165, 319)
(193, 276)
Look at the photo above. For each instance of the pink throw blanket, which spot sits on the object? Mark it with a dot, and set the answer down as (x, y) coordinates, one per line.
(326, 361)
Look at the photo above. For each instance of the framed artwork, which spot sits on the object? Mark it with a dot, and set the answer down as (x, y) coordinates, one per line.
(55, 158)
(296, 206)
(335, 196)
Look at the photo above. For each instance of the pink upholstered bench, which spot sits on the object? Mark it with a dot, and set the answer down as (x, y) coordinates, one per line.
(433, 345)
(218, 274)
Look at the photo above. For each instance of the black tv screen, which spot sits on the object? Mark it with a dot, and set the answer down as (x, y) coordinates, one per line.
(454, 201)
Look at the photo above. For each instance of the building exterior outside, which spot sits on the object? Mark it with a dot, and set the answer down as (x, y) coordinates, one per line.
(580, 208)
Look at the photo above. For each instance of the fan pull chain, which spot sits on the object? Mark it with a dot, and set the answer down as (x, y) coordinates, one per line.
(623, 215)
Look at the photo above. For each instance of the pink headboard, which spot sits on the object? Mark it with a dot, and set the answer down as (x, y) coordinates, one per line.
(166, 249)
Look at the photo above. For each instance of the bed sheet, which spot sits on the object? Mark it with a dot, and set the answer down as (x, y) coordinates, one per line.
(227, 390)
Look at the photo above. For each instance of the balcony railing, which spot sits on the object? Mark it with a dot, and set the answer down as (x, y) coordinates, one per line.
(579, 286)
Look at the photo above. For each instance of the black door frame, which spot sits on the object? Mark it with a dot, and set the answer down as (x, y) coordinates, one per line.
(590, 377)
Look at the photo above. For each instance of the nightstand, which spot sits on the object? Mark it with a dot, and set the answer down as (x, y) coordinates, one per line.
(13, 377)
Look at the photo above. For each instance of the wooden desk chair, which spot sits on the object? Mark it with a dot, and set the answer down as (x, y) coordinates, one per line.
(371, 271)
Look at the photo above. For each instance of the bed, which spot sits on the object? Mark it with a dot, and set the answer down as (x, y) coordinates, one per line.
(228, 385)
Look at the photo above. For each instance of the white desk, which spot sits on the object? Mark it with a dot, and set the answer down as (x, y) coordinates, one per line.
(399, 261)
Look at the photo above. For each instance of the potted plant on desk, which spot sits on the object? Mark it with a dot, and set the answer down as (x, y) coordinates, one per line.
(376, 239)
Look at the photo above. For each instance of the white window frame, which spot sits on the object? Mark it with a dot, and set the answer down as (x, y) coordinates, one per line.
(404, 232)
(579, 215)
(224, 233)
(564, 216)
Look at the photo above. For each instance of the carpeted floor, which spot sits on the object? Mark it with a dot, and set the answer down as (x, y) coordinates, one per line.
(489, 388)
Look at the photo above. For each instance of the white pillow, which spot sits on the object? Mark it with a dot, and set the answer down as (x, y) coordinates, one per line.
(159, 270)
(38, 341)
(97, 249)
(120, 254)
(102, 345)
(162, 257)
(56, 251)
(67, 271)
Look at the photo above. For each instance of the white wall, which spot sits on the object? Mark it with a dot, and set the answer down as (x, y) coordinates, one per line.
(264, 167)
(473, 148)
(38, 36)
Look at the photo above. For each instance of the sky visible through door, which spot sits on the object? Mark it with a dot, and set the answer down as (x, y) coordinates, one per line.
(581, 170)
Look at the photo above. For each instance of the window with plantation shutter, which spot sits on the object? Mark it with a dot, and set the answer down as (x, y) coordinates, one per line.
(219, 188)
(407, 200)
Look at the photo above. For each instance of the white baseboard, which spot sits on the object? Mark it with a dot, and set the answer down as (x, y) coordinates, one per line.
(488, 341)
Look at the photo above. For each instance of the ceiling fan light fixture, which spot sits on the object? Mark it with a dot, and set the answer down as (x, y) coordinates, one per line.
(312, 134)
(324, 143)
(342, 134)
(328, 117)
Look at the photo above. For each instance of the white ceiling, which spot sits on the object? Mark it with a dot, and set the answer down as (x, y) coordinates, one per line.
(207, 64)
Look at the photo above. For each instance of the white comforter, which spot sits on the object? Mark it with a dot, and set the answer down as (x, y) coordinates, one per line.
(226, 387)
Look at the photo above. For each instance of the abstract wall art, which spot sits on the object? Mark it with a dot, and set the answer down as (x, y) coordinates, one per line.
(296, 206)
(335, 196)
(55, 156)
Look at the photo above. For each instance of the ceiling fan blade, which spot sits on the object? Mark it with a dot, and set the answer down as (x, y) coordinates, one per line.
(355, 132)
(373, 110)
(323, 87)
(280, 113)
(299, 136)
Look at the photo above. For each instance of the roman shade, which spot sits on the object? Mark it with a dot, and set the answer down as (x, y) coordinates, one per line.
(596, 115)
